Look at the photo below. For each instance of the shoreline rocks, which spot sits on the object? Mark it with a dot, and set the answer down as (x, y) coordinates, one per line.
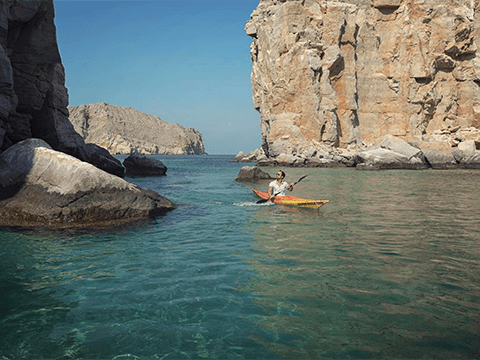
(441, 151)
(41, 187)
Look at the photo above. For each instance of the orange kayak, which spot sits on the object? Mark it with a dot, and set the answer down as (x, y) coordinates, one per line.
(292, 200)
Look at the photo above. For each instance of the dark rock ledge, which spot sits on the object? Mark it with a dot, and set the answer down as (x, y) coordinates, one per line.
(140, 165)
(41, 187)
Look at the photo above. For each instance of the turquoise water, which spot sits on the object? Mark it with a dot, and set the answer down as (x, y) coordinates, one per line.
(389, 268)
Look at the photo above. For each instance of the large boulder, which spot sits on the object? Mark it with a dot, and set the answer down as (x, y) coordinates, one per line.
(253, 156)
(438, 154)
(102, 159)
(239, 157)
(252, 174)
(380, 158)
(400, 146)
(42, 187)
(470, 161)
(468, 154)
(140, 165)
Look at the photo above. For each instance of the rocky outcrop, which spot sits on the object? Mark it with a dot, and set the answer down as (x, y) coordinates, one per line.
(123, 130)
(33, 98)
(47, 188)
(325, 156)
(345, 74)
(252, 174)
(390, 153)
(252, 156)
(140, 165)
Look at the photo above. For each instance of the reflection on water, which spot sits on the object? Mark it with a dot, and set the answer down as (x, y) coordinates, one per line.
(387, 268)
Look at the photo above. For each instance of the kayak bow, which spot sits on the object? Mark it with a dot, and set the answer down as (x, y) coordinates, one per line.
(292, 200)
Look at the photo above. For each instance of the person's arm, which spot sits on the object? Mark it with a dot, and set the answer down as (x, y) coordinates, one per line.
(291, 187)
(270, 192)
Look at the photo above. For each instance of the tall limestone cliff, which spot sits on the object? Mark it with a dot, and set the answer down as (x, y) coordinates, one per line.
(342, 73)
(123, 130)
(33, 97)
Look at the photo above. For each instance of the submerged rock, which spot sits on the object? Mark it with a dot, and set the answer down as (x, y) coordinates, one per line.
(41, 187)
(140, 165)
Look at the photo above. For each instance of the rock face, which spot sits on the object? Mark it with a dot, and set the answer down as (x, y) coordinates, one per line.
(140, 165)
(123, 130)
(33, 98)
(47, 188)
(252, 156)
(345, 74)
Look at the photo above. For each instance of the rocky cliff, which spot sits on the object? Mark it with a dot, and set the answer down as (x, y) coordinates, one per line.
(123, 130)
(345, 74)
(33, 98)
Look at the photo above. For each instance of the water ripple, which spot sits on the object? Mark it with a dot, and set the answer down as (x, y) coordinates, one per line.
(387, 269)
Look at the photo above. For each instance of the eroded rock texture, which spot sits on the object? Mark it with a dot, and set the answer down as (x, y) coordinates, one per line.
(43, 187)
(345, 73)
(33, 98)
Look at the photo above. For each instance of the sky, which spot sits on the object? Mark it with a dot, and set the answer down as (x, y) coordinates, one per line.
(186, 61)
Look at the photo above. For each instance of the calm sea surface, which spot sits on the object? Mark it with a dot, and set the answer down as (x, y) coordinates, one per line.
(389, 268)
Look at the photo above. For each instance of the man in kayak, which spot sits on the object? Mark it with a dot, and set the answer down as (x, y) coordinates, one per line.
(278, 186)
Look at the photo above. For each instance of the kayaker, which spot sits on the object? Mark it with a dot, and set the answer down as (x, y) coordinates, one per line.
(277, 187)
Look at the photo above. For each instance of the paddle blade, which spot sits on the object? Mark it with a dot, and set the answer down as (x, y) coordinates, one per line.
(261, 201)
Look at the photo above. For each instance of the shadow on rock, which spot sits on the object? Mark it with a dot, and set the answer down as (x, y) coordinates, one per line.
(45, 188)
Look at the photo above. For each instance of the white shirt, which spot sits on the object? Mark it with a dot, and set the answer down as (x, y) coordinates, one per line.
(279, 190)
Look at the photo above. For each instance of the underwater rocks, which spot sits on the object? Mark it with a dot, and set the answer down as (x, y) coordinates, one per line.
(41, 187)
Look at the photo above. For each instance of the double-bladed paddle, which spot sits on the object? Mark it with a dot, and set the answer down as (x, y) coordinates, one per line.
(261, 201)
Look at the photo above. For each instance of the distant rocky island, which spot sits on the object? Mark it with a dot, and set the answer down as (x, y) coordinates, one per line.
(123, 130)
